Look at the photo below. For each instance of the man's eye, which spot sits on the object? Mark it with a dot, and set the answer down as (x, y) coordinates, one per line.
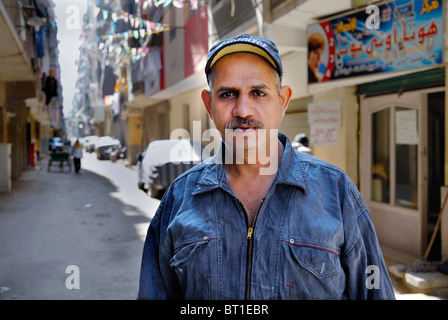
(227, 94)
(259, 93)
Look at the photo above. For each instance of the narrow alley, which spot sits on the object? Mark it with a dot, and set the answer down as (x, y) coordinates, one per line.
(95, 221)
(363, 88)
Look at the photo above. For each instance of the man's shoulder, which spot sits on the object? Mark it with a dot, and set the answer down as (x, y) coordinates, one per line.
(312, 162)
(194, 173)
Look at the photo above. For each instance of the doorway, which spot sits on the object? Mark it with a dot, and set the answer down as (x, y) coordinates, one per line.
(394, 171)
(436, 174)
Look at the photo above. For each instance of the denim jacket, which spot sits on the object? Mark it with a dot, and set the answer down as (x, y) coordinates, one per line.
(313, 238)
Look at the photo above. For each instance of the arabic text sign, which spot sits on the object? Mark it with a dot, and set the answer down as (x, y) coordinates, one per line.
(324, 118)
(410, 35)
(323, 135)
(406, 127)
(324, 112)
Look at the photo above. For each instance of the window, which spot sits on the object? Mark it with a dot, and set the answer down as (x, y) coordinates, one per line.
(406, 153)
(394, 169)
(381, 156)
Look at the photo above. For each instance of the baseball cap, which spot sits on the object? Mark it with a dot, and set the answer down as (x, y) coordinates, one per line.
(245, 43)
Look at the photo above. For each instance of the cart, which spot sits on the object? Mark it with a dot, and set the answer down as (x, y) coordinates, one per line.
(61, 159)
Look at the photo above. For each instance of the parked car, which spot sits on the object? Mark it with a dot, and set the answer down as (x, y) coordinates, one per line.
(117, 153)
(89, 143)
(56, 144)
(104, 146)
(163, 161)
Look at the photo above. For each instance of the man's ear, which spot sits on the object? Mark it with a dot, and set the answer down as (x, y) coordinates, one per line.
(206, 96)
(285, 95)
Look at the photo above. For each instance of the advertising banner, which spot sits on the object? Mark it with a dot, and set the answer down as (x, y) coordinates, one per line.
(393, 36)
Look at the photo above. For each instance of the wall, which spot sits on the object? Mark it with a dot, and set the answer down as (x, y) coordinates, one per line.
(173, 48)
(155, 123)
(3, 114)
(345, 153)
(196, 112)
(294, 65)
(16, 93)
(134, 137)
(196, 42)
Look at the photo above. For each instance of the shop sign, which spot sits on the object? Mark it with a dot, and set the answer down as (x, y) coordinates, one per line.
(394, 36)
(324, 118)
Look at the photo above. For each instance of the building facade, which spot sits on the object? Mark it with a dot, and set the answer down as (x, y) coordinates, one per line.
(30, 93)
(371, 99)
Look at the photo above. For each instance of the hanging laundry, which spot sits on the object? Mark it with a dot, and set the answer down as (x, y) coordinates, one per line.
(40, 42)
(115, 103)
(50, 88)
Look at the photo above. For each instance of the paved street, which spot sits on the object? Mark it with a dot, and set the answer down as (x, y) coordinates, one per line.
(95, 220)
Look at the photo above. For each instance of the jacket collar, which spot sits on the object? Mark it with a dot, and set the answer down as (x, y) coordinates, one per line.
(290, 171)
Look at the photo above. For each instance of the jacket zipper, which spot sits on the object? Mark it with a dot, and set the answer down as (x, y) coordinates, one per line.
(250, 249)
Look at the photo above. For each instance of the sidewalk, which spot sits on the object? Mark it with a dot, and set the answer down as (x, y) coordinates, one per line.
(417, 285)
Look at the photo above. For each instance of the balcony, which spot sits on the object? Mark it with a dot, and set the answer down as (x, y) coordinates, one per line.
(15, 64)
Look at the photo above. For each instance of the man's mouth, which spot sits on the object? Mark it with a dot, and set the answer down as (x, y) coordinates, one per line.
(245, 128)
(244, 124)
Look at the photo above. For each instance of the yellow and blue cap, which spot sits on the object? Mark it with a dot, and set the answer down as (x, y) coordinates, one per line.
(262, 47)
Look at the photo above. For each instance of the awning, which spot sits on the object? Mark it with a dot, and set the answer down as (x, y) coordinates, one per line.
(420, 80)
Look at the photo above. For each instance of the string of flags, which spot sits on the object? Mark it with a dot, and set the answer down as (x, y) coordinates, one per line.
(176, 3)
(142, 27)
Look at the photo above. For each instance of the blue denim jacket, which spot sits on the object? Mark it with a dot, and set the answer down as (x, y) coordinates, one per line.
(313, 238)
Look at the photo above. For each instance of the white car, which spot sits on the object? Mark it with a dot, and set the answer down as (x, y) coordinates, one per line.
(163, 161)
(89, 143)
(104, 145)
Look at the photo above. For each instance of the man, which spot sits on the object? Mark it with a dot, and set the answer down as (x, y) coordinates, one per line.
(239, 227)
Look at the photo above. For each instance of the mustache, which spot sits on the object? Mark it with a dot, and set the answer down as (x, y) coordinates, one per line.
(249, 122)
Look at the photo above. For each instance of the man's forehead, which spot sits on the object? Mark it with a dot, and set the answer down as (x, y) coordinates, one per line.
(255, 86)
(241, 58)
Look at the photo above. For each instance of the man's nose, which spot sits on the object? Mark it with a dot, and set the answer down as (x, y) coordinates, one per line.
(243, 107)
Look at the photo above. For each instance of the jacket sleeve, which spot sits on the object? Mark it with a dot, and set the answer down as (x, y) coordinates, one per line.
(157, 280)
(367, 276)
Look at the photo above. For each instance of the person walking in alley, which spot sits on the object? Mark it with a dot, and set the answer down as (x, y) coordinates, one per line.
(77, 155)
(259, 220)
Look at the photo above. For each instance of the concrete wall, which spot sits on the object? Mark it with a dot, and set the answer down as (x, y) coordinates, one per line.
(134, 137)
(188, 106)
(345, 153)
(173, 48)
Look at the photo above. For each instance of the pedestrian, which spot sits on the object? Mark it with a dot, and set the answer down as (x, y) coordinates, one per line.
(227, 229)
(300, 143)
(77, 155)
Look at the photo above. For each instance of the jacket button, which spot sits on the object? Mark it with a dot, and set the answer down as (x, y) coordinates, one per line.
(180, 270)
(291, 240)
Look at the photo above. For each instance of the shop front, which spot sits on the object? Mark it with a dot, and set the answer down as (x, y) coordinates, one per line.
(396, 72)
(402, 162)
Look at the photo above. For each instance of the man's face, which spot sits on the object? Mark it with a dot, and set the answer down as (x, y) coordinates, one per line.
(245, 96)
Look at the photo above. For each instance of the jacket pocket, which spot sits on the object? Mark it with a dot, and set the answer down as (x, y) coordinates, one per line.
(317, 259)
(192, 263)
